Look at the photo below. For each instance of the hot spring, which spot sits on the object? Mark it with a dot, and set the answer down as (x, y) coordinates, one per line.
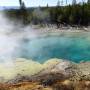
(29, 43)
(74, 47)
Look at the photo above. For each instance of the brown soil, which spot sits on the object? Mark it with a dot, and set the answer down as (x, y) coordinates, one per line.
(59, 85)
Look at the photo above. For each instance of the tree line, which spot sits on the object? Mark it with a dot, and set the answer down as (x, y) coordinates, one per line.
(75, 14)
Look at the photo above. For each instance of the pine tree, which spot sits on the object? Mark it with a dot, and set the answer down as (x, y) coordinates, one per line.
(58, 3)
(62, 2)
(66, 2)
(23, 5)
(88, 1)
(20, 2)
(47, 5)
(74, 2)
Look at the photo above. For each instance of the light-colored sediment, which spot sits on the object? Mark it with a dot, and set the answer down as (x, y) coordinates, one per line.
(35, 31)
(85, 69)
(25, 67)
(55, 73)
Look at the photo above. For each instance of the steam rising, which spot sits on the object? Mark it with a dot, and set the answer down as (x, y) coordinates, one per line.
(7, 43)
(10, 37)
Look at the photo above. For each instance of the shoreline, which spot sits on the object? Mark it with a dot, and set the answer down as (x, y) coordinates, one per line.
(35, 31)
(62, 29)
(24, 67)
(55, 73)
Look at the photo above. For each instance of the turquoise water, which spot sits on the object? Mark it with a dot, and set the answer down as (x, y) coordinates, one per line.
(75, 48)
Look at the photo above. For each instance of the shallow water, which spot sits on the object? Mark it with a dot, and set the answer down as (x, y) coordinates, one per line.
(70, 47)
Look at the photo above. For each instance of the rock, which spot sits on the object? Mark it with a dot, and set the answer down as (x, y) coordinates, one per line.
(84, 68)
(61, 71)
(53, 71)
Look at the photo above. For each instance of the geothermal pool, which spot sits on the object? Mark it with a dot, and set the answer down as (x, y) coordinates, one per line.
(74, 47)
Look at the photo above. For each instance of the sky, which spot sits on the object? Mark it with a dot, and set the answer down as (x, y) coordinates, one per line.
(31, 3)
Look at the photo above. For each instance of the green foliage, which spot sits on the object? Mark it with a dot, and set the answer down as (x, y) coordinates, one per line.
(77, 14)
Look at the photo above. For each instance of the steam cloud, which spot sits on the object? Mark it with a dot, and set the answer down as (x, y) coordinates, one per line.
(7, 42)
(10, 37)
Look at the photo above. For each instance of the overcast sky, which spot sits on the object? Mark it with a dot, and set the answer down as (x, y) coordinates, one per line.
(33, 2)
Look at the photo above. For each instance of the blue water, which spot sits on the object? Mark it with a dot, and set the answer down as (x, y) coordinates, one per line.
(73, 48)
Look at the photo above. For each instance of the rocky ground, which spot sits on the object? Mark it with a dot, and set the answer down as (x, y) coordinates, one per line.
(55, 75)
(59, 85)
